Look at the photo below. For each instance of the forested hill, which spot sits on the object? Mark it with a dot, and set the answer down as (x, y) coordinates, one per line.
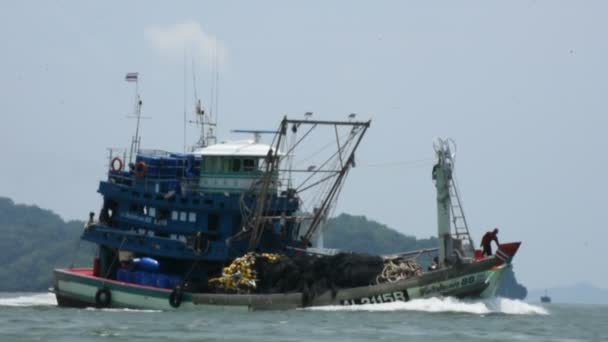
(35, 241)
(358, 234)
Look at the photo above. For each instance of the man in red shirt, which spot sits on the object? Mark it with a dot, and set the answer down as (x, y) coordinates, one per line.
(486, 241)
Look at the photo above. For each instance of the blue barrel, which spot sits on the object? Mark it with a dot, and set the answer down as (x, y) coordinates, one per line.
(122, 274)
(139, 277)
(130, 277)
(146, 264)
(163, 281)
(149, 279)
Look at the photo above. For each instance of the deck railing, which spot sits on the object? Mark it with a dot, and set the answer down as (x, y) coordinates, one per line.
(174, 176)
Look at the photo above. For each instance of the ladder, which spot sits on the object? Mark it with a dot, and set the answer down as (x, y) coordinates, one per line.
(459, 221)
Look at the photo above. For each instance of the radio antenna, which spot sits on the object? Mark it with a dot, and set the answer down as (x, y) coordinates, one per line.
(185, 100)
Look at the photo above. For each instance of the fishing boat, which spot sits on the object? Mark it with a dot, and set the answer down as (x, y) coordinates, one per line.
(231, 224)
(545, 298)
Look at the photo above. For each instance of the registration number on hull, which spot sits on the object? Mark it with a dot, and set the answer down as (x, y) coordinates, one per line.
(447, 286)
(397, 296)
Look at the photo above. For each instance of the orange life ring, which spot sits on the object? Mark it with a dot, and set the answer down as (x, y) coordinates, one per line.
(114, 165)
(141, 168)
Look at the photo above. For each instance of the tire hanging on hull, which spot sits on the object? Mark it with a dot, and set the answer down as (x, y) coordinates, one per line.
(103, 298)
(176, 296)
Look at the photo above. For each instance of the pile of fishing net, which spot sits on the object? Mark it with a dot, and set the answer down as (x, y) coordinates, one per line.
(274, 273)
(397, 268)
(241, 275)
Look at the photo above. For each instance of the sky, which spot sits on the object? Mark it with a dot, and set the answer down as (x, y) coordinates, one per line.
(521, 86)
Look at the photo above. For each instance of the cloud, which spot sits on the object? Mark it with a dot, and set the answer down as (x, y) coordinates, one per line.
(189, 36)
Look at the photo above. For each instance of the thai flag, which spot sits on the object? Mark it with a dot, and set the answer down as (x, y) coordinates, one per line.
(131, 77)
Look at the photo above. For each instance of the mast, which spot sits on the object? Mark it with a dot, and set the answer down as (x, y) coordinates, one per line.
(204, 118)
(136, 140)
(185, 98)
(442, 175)
(452, 229)
(272, 164)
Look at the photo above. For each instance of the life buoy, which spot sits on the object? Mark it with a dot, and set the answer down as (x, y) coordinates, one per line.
(116, 164)
(176, 296)
(141, 168)
(103, 298)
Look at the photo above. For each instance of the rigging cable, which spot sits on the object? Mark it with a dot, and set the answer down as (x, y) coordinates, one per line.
(351, 138)
(415, 163)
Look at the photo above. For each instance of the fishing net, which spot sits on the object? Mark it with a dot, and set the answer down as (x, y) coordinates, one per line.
(312, 275)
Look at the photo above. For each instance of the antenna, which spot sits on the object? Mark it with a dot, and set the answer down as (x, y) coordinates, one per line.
(205, 121)
(201, 119)
(212, 95)
(217, 83)
(209, 137)
(185, 97)
(198, 109)
(135, 142)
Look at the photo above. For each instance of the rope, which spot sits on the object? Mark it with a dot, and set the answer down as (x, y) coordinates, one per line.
(124, 238)
(397, 269)
(413, 163)
(194, 265)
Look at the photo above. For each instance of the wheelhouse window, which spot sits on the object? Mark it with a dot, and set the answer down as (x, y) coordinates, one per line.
(212, 164)
(226, 165)
(236, 165)
(249, 164)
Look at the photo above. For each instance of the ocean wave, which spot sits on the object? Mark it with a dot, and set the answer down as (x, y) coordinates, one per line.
(123, 310)
(30, 299)
(447, 304)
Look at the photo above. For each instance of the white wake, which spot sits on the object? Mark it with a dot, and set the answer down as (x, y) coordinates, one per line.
(28, 299)
(123, 310)
(47, 299)
(448, 304)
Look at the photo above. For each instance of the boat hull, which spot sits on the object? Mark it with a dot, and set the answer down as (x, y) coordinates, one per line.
(79, 288)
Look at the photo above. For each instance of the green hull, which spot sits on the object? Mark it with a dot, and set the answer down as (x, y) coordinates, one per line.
(78, 288)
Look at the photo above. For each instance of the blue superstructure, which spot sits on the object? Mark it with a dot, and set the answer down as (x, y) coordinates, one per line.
(188, 210)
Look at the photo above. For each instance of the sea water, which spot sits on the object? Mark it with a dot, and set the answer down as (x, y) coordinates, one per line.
(36, 317)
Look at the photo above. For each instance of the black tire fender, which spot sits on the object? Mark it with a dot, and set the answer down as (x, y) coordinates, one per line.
(176, 296)
(103, 298)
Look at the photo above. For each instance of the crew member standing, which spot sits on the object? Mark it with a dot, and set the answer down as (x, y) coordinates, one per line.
(486, 241)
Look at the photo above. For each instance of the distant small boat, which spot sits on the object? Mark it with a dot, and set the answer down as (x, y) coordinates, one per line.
(545, 298)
